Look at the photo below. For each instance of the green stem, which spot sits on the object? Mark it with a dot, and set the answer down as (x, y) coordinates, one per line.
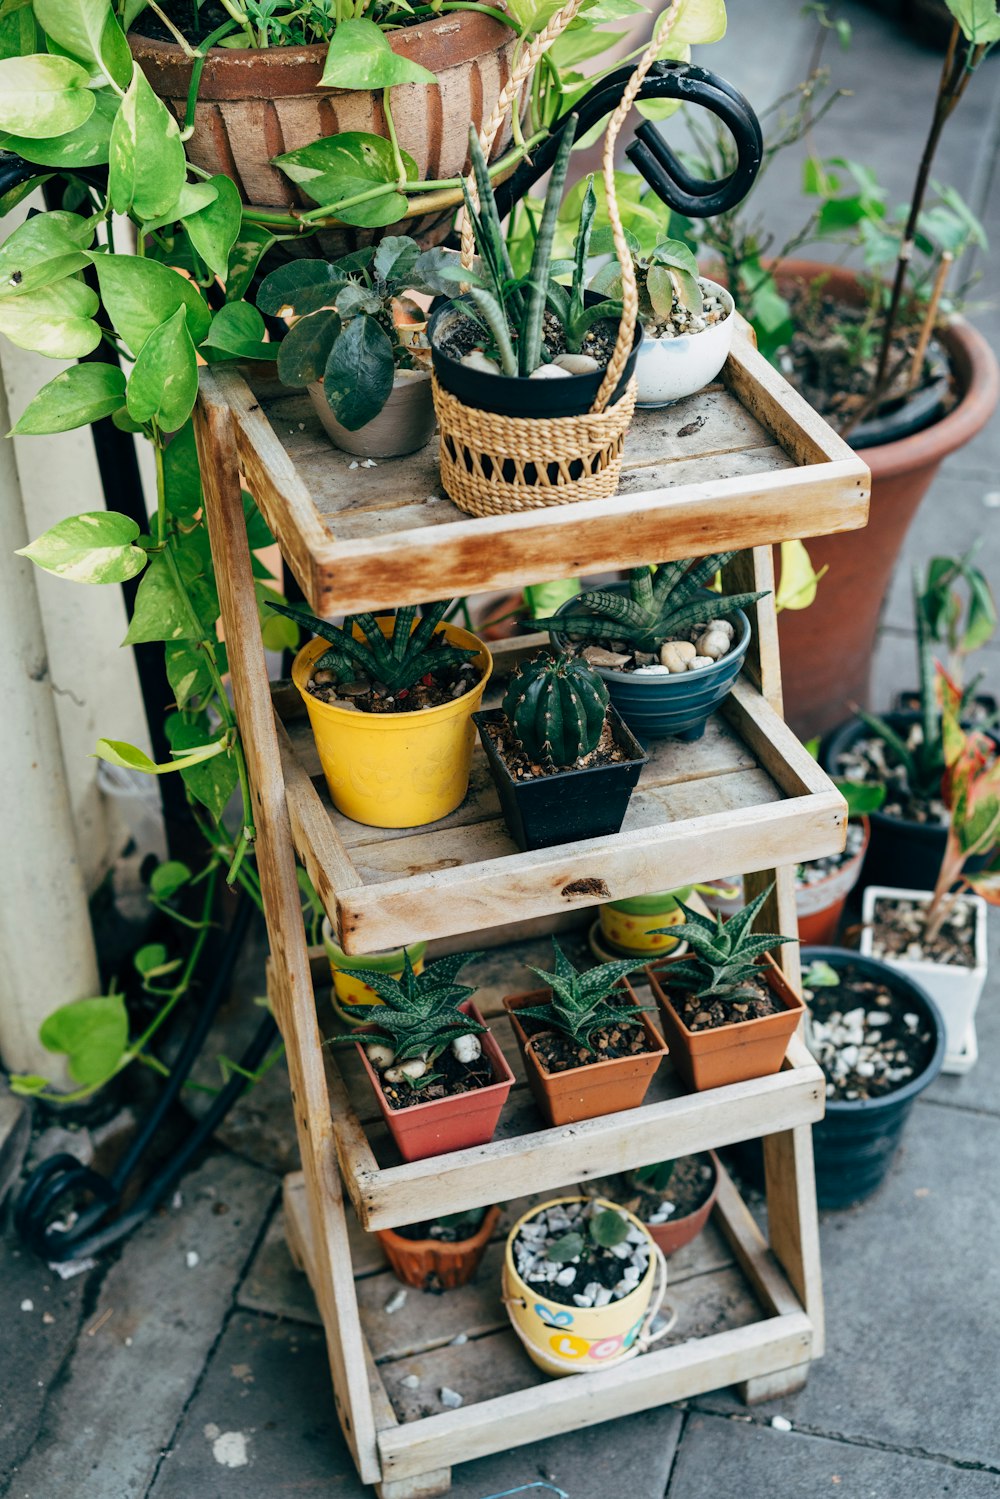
(397, 156)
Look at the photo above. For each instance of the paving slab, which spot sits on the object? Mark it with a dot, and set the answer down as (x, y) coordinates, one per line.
(262, 1424)
(913, 1302)
(979, 1090)
(732, 1460)
(160, 1308)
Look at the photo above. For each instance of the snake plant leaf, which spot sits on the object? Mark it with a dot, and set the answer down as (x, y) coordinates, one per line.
(95, 547)
(360, 57)
(43, 96)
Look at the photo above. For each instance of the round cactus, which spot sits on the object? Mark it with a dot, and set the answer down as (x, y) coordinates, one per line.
(555, 708)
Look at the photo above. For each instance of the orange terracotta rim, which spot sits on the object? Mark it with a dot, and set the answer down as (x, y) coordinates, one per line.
(448, 41)
(778, 983)
(483, 1234)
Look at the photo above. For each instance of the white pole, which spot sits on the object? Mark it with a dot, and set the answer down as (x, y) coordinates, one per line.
(47, 954)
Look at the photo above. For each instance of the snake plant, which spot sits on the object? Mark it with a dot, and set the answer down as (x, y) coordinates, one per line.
(659, 606)
(397, 661)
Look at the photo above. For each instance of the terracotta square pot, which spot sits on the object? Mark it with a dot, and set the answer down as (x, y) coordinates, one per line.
(432, 1264)
(730, 1053)
(443, 1124)
(592, 1090)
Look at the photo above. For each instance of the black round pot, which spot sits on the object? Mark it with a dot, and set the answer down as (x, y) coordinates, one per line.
(510, 396)
(902, 853)
(855, 1143)
(919, 410)
(678, 706)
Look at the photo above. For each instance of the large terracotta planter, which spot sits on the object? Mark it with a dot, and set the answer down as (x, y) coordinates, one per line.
(256, 104)
(591, 1091)
(827, 649)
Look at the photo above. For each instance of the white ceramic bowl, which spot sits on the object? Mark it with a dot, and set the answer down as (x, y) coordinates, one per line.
(668, 369)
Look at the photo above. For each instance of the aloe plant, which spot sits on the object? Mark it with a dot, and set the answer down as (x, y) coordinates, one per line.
(659, 606)
(725, 953)
(580, 1004)
(397, 661)
(419, 1015)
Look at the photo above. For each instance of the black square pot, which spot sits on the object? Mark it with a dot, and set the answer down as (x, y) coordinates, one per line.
(571, 805)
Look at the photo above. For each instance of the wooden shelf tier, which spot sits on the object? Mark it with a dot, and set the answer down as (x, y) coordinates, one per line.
(738, 1320)
(745, 797)
(387, 1192)
(745, 462)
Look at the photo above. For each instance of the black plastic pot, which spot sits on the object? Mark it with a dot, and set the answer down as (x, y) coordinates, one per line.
(570, 805)
(901, 853)
(676, 706)
(509, 396)
(924, 407)
(855, 1143)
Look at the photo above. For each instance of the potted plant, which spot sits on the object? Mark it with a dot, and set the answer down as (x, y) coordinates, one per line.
(352, 996)
(390, 702)
(673, 1199)
(442, 1254)
(638, 926)
(668, 648)
(904, 752)
(905, 404)
(823, 885)
(879, 1039)
(357, 342)
(588, 1048)
(563, 762)
(939, 937)
(687, 322)
(728, 1011)
(578, 1282)
(439, 1077)
(533, 410)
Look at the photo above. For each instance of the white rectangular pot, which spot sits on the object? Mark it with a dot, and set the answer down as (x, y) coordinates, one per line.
(955, 990)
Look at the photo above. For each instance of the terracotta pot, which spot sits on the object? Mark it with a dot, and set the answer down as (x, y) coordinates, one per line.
(405, 423)
(593, 1090)
(457, 1123)
(430, 1264)
(730, 1053)
(256, 104)
(677, 1232)
(826, 650)
(819, 907)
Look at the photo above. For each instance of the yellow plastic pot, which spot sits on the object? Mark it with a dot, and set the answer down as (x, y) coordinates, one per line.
(395, 770)
(351, 991)
(629, 924)
(563, 1339)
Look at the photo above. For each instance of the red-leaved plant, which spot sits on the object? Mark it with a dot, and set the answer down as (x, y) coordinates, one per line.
(971, 790)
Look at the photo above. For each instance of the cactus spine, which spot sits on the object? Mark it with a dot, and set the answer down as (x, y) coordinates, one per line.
(555, 708)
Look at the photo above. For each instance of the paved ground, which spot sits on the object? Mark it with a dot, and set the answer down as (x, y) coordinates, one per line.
(152, 1376)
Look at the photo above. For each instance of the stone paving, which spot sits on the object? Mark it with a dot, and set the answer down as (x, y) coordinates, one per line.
(162, 1374)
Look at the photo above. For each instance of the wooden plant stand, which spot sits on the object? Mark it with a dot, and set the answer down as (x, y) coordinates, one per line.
(742, 465)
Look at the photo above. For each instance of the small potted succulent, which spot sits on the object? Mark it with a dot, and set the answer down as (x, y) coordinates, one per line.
(674, 1199)
(728, 1011)
(587, 1046)
(390, 703)
(879, 1039)
(439, 1076)
(939, 937)
(688, 322)
(535, 351)
(351, 994)
(356, 341)
(563, 762)
(442, 1254)
(668, 648)
(578, 1283)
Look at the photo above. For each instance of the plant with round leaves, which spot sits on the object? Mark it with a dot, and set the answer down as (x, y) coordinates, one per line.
(419, 1015)
(725, 957)
(667, 272)
(352, 323)
(660, 605)
(580, 1005)
(393, 663)
(605, 1228)
(555, 708)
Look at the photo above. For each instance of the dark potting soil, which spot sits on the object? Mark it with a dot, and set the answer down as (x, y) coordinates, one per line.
(690, 1186)
(871, 762)
(898, 932)
(556, 1052)
(438, 686)
(464, 334)
(709, 1013)
(865, 1036)
(197, 19)
(597, 1264)
(523, 768)
(443, 1230)
(832, 358)
(453, 1077)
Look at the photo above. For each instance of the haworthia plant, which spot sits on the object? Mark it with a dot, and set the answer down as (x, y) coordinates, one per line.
(395, 661)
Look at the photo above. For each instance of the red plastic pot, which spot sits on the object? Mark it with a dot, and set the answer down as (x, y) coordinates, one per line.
(819, 907)
(444, 1124)
(827, 649)
(431, 1264)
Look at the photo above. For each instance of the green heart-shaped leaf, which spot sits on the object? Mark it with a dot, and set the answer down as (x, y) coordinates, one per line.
(360, 57)
(163, 385)
(42, 96)
(78, 396)
(91, 1033)
(95, 547)
(341, 167)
